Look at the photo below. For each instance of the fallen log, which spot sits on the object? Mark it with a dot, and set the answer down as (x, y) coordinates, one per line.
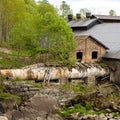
(39, 73)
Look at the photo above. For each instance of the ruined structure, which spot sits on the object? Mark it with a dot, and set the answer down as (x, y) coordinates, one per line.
(98, 38)
(47, 73)
(101, 32)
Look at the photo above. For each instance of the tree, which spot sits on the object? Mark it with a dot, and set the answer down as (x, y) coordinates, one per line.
(112, 13)
(11, 12)
(83, 12)
(65, 9)
(44, 33)
(31, 6)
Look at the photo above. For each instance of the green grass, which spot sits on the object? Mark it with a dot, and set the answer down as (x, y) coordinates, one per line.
(78, 87)
(83, 110)
(8, 96)
(37, 85)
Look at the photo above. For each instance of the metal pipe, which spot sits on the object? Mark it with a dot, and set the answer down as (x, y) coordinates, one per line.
(54, 72)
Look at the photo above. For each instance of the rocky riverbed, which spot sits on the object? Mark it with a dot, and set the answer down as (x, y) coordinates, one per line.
(65, 102)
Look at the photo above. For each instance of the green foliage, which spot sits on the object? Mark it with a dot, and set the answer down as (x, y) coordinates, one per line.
(83, 12)
(65, 9)
(112, 13)
(12, 61)
(1, 88)
(78, 87)
(11, 11)
(7, 96)
(83, 110)
(37, 85)
(43, 34)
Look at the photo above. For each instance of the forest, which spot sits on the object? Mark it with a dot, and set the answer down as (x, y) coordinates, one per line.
(36, 29)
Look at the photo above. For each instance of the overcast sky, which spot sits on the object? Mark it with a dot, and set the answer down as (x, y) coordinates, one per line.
(96, 6)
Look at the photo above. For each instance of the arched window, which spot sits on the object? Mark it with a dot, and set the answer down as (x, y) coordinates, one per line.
(94, 55)
(79, 55)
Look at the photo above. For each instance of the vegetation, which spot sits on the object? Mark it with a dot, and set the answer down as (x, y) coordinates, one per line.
(65, 9)
(36, 29)
(78, 88)
(37, 85)
(78, 108)
(112, 13)
(8, 96)
(83, 12)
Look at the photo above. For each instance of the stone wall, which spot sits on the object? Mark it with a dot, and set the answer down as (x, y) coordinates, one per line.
(87, 45)
(25, 91)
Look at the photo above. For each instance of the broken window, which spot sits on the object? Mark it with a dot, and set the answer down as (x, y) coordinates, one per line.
(79, 55)
(94, 55)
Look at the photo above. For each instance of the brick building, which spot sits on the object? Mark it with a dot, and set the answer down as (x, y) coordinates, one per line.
(97, 36)
(89, 49)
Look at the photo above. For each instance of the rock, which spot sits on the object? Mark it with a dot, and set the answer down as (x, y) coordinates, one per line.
(2, 109)
(102, 117)
(39, 107)
(75, 116)
(46, 103)
(3, 118)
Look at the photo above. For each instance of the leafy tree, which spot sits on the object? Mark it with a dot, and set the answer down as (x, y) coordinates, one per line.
(44, 33)
(46, 1)
(112, 13)
(83, 12)
(65, 9)
(31, 6)
(11, 12)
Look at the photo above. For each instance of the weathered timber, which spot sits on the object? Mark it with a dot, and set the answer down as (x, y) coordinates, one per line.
(38, 73)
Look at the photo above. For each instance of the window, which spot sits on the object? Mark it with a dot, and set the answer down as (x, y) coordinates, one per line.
(94, 55)
(79, 55)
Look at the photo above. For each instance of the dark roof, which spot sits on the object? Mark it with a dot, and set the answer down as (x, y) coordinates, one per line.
(107, 33)
(112, 55)
(83, 24)
(107, 17)
(99, 42)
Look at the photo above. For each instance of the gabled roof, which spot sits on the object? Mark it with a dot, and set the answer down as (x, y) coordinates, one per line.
(98, 42)
(83, 24)
(112, 55)
(106, 33)
(107, 18)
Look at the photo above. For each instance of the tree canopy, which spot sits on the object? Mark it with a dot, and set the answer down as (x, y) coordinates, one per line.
(112, 13)
(41, 31)
(65, 9)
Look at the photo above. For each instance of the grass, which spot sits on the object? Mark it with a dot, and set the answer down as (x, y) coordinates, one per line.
(8, 96)
(10, 61)
(37, 85)
(78, 87)
(83, 110)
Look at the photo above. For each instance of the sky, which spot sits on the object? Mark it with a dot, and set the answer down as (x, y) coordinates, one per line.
(95, 6)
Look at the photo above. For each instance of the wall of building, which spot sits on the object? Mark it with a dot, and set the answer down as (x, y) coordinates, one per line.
(87, 45)
(114, 66)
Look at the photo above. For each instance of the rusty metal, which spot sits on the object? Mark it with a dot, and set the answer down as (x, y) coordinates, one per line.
(38, 73)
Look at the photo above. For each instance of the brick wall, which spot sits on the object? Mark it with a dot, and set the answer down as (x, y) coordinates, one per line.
(87, 45)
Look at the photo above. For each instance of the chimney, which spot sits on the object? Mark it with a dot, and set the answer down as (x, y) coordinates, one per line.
(78, 15)
(88, 14)
(70, 17)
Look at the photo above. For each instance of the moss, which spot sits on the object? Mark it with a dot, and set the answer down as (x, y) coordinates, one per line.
(37, 85)
(83, 110)
(8, 96)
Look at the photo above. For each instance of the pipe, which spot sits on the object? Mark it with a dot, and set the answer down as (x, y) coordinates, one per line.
(81, 71)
